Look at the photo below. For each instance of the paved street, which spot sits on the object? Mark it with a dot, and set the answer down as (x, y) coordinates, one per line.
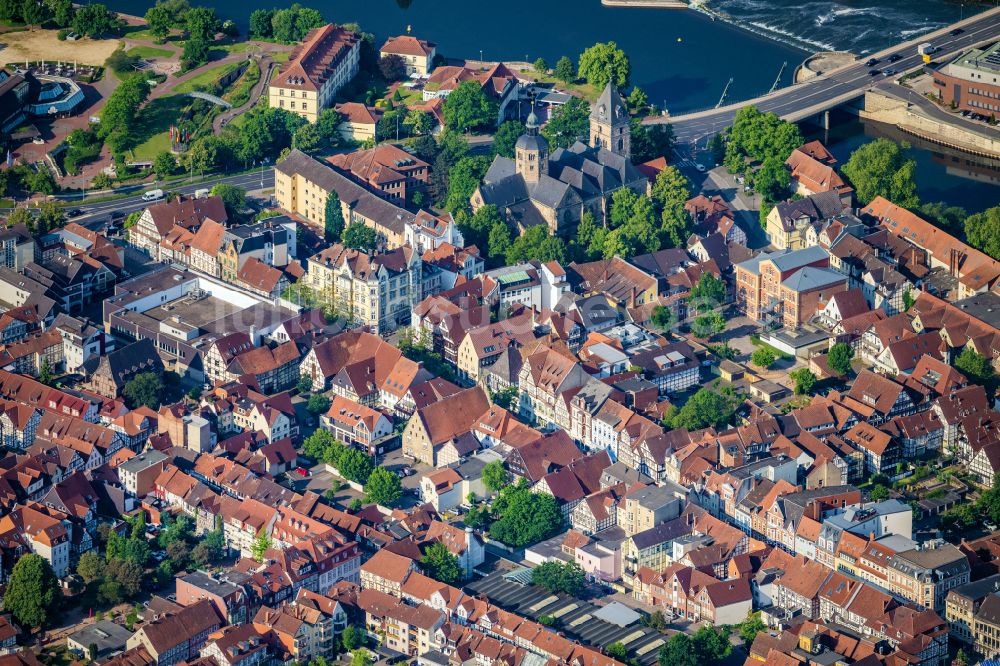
(256, 180)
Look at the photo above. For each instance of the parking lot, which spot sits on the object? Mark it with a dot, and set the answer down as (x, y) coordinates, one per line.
(576, 617)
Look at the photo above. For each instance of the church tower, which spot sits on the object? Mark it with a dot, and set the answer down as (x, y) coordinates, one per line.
(609, 123)
(531, 152)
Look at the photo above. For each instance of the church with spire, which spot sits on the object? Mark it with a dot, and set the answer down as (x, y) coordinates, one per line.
(554, 188)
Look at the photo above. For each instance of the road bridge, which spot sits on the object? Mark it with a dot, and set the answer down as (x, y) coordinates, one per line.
(812, 98)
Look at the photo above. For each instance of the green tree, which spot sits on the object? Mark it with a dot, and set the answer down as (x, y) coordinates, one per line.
(159, 20)
(705, 408)
(763, 357)
(504, 399)
(392, 67)
(202, 23)
(555, 576)
(982, 230)
(440, 564)
(383, 487)
(146, 388)
(359, 236)
(881, 169)
(260, 545)
(32, 592)
(463, 179)
(309, 139)
(333, 219)
(90, 567)
(709, 292)
(233, 198)
(839, 358)
(565, 71)
(975, 366)
(524, 517)
(126, 573)
(750, 627)
(360, 657)
(468, 108)
(537, 243)
(45, 373)
(711, 644)
(617, 650)
(651, 141)
(499, 243)
(317, 404)
(477, 228)
(772, 180)
(495, 476)
(908, 299)
(670, 187)
(709, 324)
(260, 23)
(949, 218)
(506, 137)
(41, 181)
(35, 13)
(95, 20)
(568, 124)
(352, 638)
(663, 318)
(632, 227)
(878, 493)
(637, 100)
(678, 651)
(111, 592)
(540, 66)
(355, 465)
(63, 12)
(804, 380)
(122, 108)
(603, 63)
(164, 164)
(757, 136)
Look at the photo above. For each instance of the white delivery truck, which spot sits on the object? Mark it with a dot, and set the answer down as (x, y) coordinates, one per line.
(152, 195)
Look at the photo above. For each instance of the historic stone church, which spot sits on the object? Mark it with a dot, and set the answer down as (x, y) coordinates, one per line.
(537, 187)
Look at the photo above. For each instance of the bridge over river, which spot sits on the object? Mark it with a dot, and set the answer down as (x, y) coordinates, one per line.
(812, 98)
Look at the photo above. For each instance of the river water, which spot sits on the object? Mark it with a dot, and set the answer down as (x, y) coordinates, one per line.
(681, 58)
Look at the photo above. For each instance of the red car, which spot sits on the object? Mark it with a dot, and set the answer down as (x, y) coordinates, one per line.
(302, 471)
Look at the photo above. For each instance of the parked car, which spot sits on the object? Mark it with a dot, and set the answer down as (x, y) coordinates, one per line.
(302, 471)
(700, 167)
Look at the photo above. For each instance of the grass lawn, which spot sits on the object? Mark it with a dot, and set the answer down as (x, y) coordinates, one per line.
(153, 129)
(410, 97)
(589, 92)
(281, 56)
(206, 79)
(149, 52)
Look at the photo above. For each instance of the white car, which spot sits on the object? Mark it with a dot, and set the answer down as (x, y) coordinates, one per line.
(700, 167)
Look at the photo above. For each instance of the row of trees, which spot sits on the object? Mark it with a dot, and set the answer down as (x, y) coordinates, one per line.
(765, 140)
(284, 25)
(523, 517)
(90, 20)
(200, 23)
(381, 486)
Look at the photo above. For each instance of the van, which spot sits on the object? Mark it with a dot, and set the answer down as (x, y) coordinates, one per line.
(202, 193)
(152, 195)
